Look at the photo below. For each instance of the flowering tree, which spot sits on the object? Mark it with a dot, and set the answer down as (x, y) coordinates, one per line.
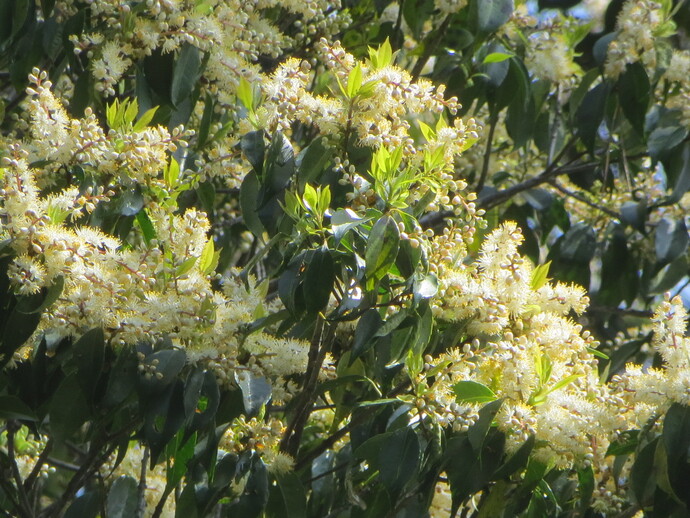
(350, 259)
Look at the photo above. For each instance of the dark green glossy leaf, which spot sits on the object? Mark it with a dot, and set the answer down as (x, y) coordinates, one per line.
(166, 365)
(148, 231)
(492, 14)
(86, 505)
(311, 163)
(68, 408)
(367, 327)
(590, 114)
(671, 239)
(123, 498)
(669, 276)
(130, 202)
(633, 94)
(88, 355)
(185, 73)
(478, 431)
(293, 493)
(642, 474)
(664, 139)
(399, 459)
(249, 200)
(318, 279)
(254, 148)
(18, 329)
(256, 391)
(382, 249)
(517, 461)
(279, 164)
(11, 407)
(585, 478)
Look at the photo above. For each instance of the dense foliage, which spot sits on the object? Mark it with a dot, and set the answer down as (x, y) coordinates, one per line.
(349, 259)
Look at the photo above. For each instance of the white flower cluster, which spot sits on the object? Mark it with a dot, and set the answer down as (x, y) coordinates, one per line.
(234, 33)
(139, 292)
(637, 28)
(261, 436)
(678, 75)
(648, 391)
(524, 349)
(549, 56)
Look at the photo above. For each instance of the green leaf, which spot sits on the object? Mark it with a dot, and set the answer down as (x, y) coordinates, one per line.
(399, 459)
(585, 479)
(478, 431)
(293, 493)
(256, 391)
(382, 249)
(86, 505)
(590, 114)
(540, 276)
(354, 81)
(496, 57)
(51, 295)
(185, 266)
(245, 94)
(206, 259)
(279, 164)
(11, 407)
(473, 392)
(88, 356)
(145, 119)
(367, 327)
(318, 279)
(167, 364)
(148, 231)
(254, 148)
(123, 498)
(185, 74)
(171, 174)
(68, 408)
(633, 95)
(492, 14)
(517, 460)
(671, 239)
(249, 193)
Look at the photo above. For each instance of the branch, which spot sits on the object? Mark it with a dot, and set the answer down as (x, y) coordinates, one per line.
(339, 434)
(321, 342)
(430, 48)
(141, 504)
(583, 199)
(487, 154)
(42, 459)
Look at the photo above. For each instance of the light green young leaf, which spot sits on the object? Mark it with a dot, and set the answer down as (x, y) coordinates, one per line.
(145, 119)
(185, 267)
(354, 81)
(540, 276)
(245, 94)
(171, 174)
(496, 57)
(310, 198)
(473, 392)
(206, 258)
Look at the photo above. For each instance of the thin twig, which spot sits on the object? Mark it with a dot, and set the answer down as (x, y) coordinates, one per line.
(141, 506)
(430, 48)
(36, 471)
(583, 199)
(342, 432)
(487, 154)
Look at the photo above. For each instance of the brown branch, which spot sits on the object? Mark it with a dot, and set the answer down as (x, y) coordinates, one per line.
(342, 432)
(579, 197)
(430, 48)
(24, 504)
